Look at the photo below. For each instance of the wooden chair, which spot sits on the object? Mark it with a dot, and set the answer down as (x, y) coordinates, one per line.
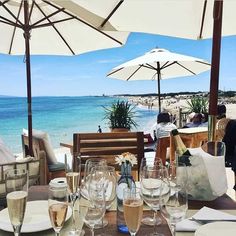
(220, 128)
(35, 170)
(161, 152)
(51, 171)
(107, 146)
(190, 141)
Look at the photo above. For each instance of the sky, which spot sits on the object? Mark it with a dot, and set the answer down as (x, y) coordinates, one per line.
(85, 74)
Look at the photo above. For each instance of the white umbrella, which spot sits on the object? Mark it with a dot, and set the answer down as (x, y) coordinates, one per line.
(193, 19)
(44, 27)
(159, 64)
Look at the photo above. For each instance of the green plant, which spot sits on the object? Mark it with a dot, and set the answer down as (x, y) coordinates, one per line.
(197, 105)
(120, 115)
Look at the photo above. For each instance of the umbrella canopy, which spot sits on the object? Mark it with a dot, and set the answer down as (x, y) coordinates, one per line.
(193, 19)
(159, 64)
(44, 27)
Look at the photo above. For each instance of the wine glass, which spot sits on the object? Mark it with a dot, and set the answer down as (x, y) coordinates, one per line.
(173, 203)
(89, 164)
(133, 209)
(73, 179)
(148, 220)
(57, 205)
(17, 192)
(97, 207)
(151, 180)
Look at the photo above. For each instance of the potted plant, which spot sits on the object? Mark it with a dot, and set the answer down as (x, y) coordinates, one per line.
(120, 116)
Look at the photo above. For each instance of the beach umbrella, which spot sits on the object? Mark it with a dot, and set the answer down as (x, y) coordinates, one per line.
(45, 27)
(159, 64)
(192, 19)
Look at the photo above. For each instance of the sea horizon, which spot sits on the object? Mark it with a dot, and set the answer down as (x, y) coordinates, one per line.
(60, 117)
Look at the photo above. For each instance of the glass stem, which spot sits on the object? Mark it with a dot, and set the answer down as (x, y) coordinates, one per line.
(17, 230)
(57, 234)
(155, 222)
(173, 229)
(92, 231)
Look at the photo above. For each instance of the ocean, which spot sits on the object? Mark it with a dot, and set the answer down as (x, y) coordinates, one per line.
(60, 117)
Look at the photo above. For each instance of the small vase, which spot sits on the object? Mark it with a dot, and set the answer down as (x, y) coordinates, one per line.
(125, 180)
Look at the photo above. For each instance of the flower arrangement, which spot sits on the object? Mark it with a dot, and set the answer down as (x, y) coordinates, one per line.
(126, 158)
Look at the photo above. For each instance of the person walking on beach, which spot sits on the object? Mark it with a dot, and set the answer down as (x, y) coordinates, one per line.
(99, 129)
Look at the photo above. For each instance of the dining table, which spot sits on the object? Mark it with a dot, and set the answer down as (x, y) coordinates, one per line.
(36, 193)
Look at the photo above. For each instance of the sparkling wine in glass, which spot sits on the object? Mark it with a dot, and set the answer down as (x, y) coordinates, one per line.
(17, 192)
(57, 206)
(72, 179)
(133, 209)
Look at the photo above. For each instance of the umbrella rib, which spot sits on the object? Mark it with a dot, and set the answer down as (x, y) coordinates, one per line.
(6, 8)
(186, 68)
(86, 23)
(31, 10)
(134, 73)
(14, 30)
(203, 19)
(9, 22)
(113, 72)
(111, 13)
(149, 66)
(164, 65)
(52, 22)
(54, 27)
(47, 17)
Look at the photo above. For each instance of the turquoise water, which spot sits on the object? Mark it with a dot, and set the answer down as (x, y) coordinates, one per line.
(60, 117)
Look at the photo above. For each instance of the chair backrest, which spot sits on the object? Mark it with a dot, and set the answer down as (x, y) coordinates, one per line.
(38, 146)
(163, 143)
(107, 145)
(221, 127)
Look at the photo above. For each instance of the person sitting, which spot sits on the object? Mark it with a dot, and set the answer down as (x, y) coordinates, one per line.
(164, 126)
(204, 120)
(196, 121)
(221, 111)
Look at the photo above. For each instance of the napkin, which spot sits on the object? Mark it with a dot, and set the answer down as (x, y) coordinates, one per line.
(204, 213)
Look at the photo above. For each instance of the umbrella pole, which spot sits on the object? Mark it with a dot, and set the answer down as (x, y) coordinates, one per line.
(28, 73)
(159, 85)
(215, 68)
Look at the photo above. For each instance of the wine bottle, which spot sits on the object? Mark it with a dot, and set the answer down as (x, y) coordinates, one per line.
(182, 151)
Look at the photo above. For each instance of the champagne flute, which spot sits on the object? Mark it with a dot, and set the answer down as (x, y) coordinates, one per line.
(148, 220)
(72, 179)
(133, 209)
(151, 181)
(17, 192)
(57, 205)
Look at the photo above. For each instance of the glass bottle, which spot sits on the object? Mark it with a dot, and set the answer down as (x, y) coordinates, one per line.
(181, 150)
(125, 180)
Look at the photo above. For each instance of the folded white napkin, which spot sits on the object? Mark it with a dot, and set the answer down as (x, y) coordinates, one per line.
(204, 213)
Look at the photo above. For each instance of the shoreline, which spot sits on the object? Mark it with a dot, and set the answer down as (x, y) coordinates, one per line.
(172, 105)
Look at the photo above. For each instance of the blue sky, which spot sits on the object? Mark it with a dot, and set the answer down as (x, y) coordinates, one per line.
(85, 74)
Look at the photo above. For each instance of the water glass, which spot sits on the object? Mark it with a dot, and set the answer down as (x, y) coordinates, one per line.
(17, 192)
(97, 207)
(133, 209)
(151, 182)
(57, 205)
(173, 203)
(148, 220)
